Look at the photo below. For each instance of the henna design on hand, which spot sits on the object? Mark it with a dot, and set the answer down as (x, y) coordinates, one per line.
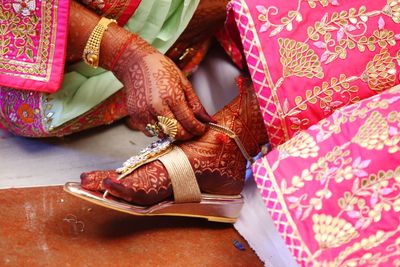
(155, 86)
(81, 23)
(136, 64)
(218, 164)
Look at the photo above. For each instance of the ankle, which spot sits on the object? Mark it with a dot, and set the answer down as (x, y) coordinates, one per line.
(243, 116)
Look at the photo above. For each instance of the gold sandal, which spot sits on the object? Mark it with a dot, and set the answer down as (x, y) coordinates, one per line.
(188, 200)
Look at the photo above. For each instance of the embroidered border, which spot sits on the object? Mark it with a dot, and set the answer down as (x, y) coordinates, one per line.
(280, 214)
(271, 107)
(41, 69)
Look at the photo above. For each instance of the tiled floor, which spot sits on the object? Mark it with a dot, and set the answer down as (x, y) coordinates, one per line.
(44, 226)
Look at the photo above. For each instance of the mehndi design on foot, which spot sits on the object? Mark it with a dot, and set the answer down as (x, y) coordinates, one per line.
(216, 160)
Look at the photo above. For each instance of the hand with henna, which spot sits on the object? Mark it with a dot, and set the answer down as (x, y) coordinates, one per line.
(216, 160)
(153, 84)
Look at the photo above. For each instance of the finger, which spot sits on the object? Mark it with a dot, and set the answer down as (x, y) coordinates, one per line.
(182, 133)
(140, 122)
(195, 103)
(134, 124)
(138, 125)
(186, 117)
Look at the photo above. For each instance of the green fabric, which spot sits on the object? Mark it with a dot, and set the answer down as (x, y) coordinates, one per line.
(80, 93)
(159, 22)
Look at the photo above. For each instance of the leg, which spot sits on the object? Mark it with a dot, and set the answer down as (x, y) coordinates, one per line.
(217, 162)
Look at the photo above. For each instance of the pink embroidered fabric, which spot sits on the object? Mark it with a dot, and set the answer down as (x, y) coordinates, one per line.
(333, 191)
(33, 42)
(310, 57)
(26, 114)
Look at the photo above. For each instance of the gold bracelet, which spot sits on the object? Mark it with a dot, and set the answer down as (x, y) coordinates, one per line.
(91, 53)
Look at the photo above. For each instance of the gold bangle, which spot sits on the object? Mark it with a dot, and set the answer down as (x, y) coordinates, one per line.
(91, 53)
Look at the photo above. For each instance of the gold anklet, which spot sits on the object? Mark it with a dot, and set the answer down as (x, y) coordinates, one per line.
(231, 134)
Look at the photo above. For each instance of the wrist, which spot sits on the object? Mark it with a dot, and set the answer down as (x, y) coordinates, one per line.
(82, 23)
(115, 41)
(91, 53)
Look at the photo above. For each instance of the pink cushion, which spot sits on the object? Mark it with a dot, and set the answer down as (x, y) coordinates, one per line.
(310, 57)
(333, 191)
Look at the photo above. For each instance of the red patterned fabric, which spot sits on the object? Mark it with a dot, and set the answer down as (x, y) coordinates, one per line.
(120, 10)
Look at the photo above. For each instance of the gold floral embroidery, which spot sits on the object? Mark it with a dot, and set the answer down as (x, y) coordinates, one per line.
(392, 9)
(394, 117)
(392, 252)
(21, 29)
(334, 166)
(365, 244)
(324, 3)
(346, 30)
(336, 34)
(382, 191)
(374, 134)
(326, 127)
(380, 73)
(287, 21)
(302, 145)
(323, 95)
(35, 65)
(299, 59)
(382, 197)
(332, 232)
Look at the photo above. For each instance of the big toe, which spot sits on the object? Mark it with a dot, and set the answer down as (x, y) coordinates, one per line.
(93, 180)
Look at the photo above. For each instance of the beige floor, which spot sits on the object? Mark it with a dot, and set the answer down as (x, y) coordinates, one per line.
(34, 162)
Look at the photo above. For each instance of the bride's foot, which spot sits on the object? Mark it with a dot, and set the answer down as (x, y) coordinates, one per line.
(216, 160)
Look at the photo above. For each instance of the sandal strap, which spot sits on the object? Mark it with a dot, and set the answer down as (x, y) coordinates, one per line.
(183, 179)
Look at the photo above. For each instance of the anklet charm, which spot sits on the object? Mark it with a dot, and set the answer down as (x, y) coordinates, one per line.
(231, 134)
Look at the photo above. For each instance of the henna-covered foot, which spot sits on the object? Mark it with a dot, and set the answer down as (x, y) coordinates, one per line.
(216, 160)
